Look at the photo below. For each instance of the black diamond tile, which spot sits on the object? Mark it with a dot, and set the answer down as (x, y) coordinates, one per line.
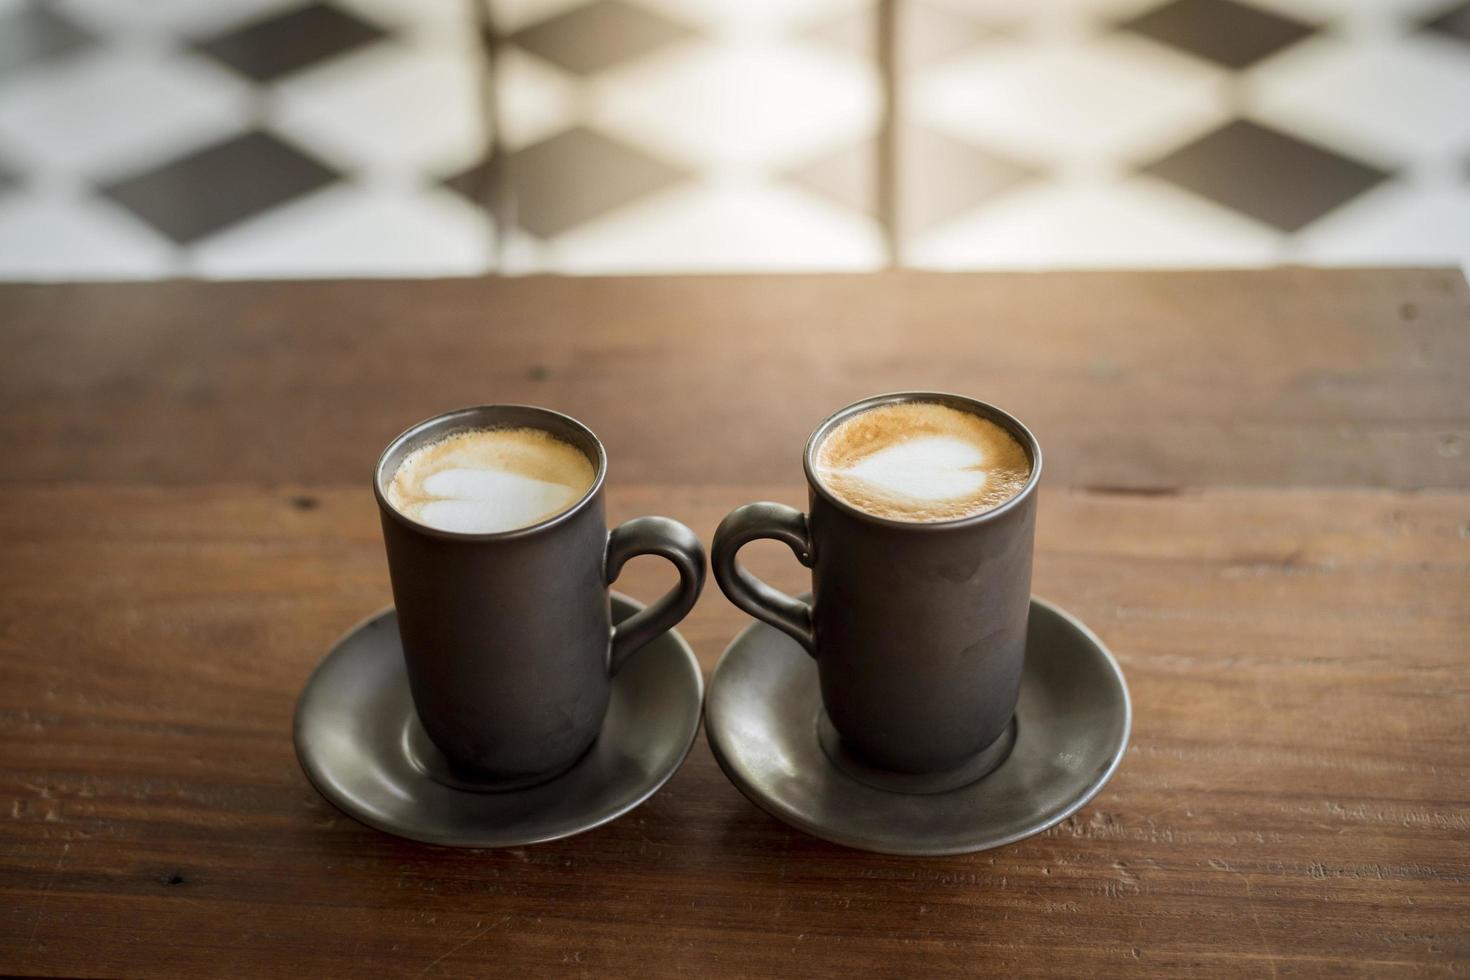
(268, 49)
(219, 186)
(600, 35)
(941, 178)
(1455, 22)
(1226, 32)
(9, 177)
(938, 178)
(475, 183)
(847, 177)
(1266, 174)
(36, 32)
(571, 178)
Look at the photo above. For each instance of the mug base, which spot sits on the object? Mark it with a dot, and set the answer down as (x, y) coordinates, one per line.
(353, 715)
(430, 760)
(973, 769)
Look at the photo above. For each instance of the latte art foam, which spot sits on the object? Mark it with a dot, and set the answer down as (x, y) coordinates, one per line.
(490, 480)
(922, 462)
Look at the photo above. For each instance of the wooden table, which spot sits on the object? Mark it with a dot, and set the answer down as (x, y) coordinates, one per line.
(1258, 493)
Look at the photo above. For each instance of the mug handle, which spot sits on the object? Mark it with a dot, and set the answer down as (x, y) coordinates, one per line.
(765, 520)
(653, 536)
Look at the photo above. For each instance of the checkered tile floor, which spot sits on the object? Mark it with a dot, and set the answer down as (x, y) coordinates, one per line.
(263, 138)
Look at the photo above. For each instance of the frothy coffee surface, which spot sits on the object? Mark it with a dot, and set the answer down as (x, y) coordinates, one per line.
(922, 462)
(488, 480)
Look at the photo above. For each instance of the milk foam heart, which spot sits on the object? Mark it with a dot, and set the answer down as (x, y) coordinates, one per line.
(490, 480)
(488, 500)
(924, 468)
(921, 461)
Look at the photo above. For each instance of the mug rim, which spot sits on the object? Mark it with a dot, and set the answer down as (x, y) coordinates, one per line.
(965, 403)
(446, 420)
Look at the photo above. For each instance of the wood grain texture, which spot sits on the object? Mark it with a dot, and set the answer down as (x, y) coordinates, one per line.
(1335, 378)
(1295, 799)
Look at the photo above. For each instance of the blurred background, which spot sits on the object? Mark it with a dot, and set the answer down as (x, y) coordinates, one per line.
(286, 138)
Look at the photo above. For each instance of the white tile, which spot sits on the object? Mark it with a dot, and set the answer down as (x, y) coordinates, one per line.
(1397, 224)
(1358, 18)
(535, 100)
(1116, 98)
(1390, 100)
(721, 226)
(353, 231)
(752, 20)
(1055, 18)
(50, 239)
(189, 18)
(512, 15)
(393, 109)
(739, 106)
(521, 254)
(440, 21)
(1138, 222)
(117, 111)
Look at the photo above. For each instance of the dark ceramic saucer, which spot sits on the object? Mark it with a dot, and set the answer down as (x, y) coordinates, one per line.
(360, 743)
(764, 722)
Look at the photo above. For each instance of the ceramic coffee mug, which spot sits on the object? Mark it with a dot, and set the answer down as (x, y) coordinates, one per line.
(918, 629)
(508, 636)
